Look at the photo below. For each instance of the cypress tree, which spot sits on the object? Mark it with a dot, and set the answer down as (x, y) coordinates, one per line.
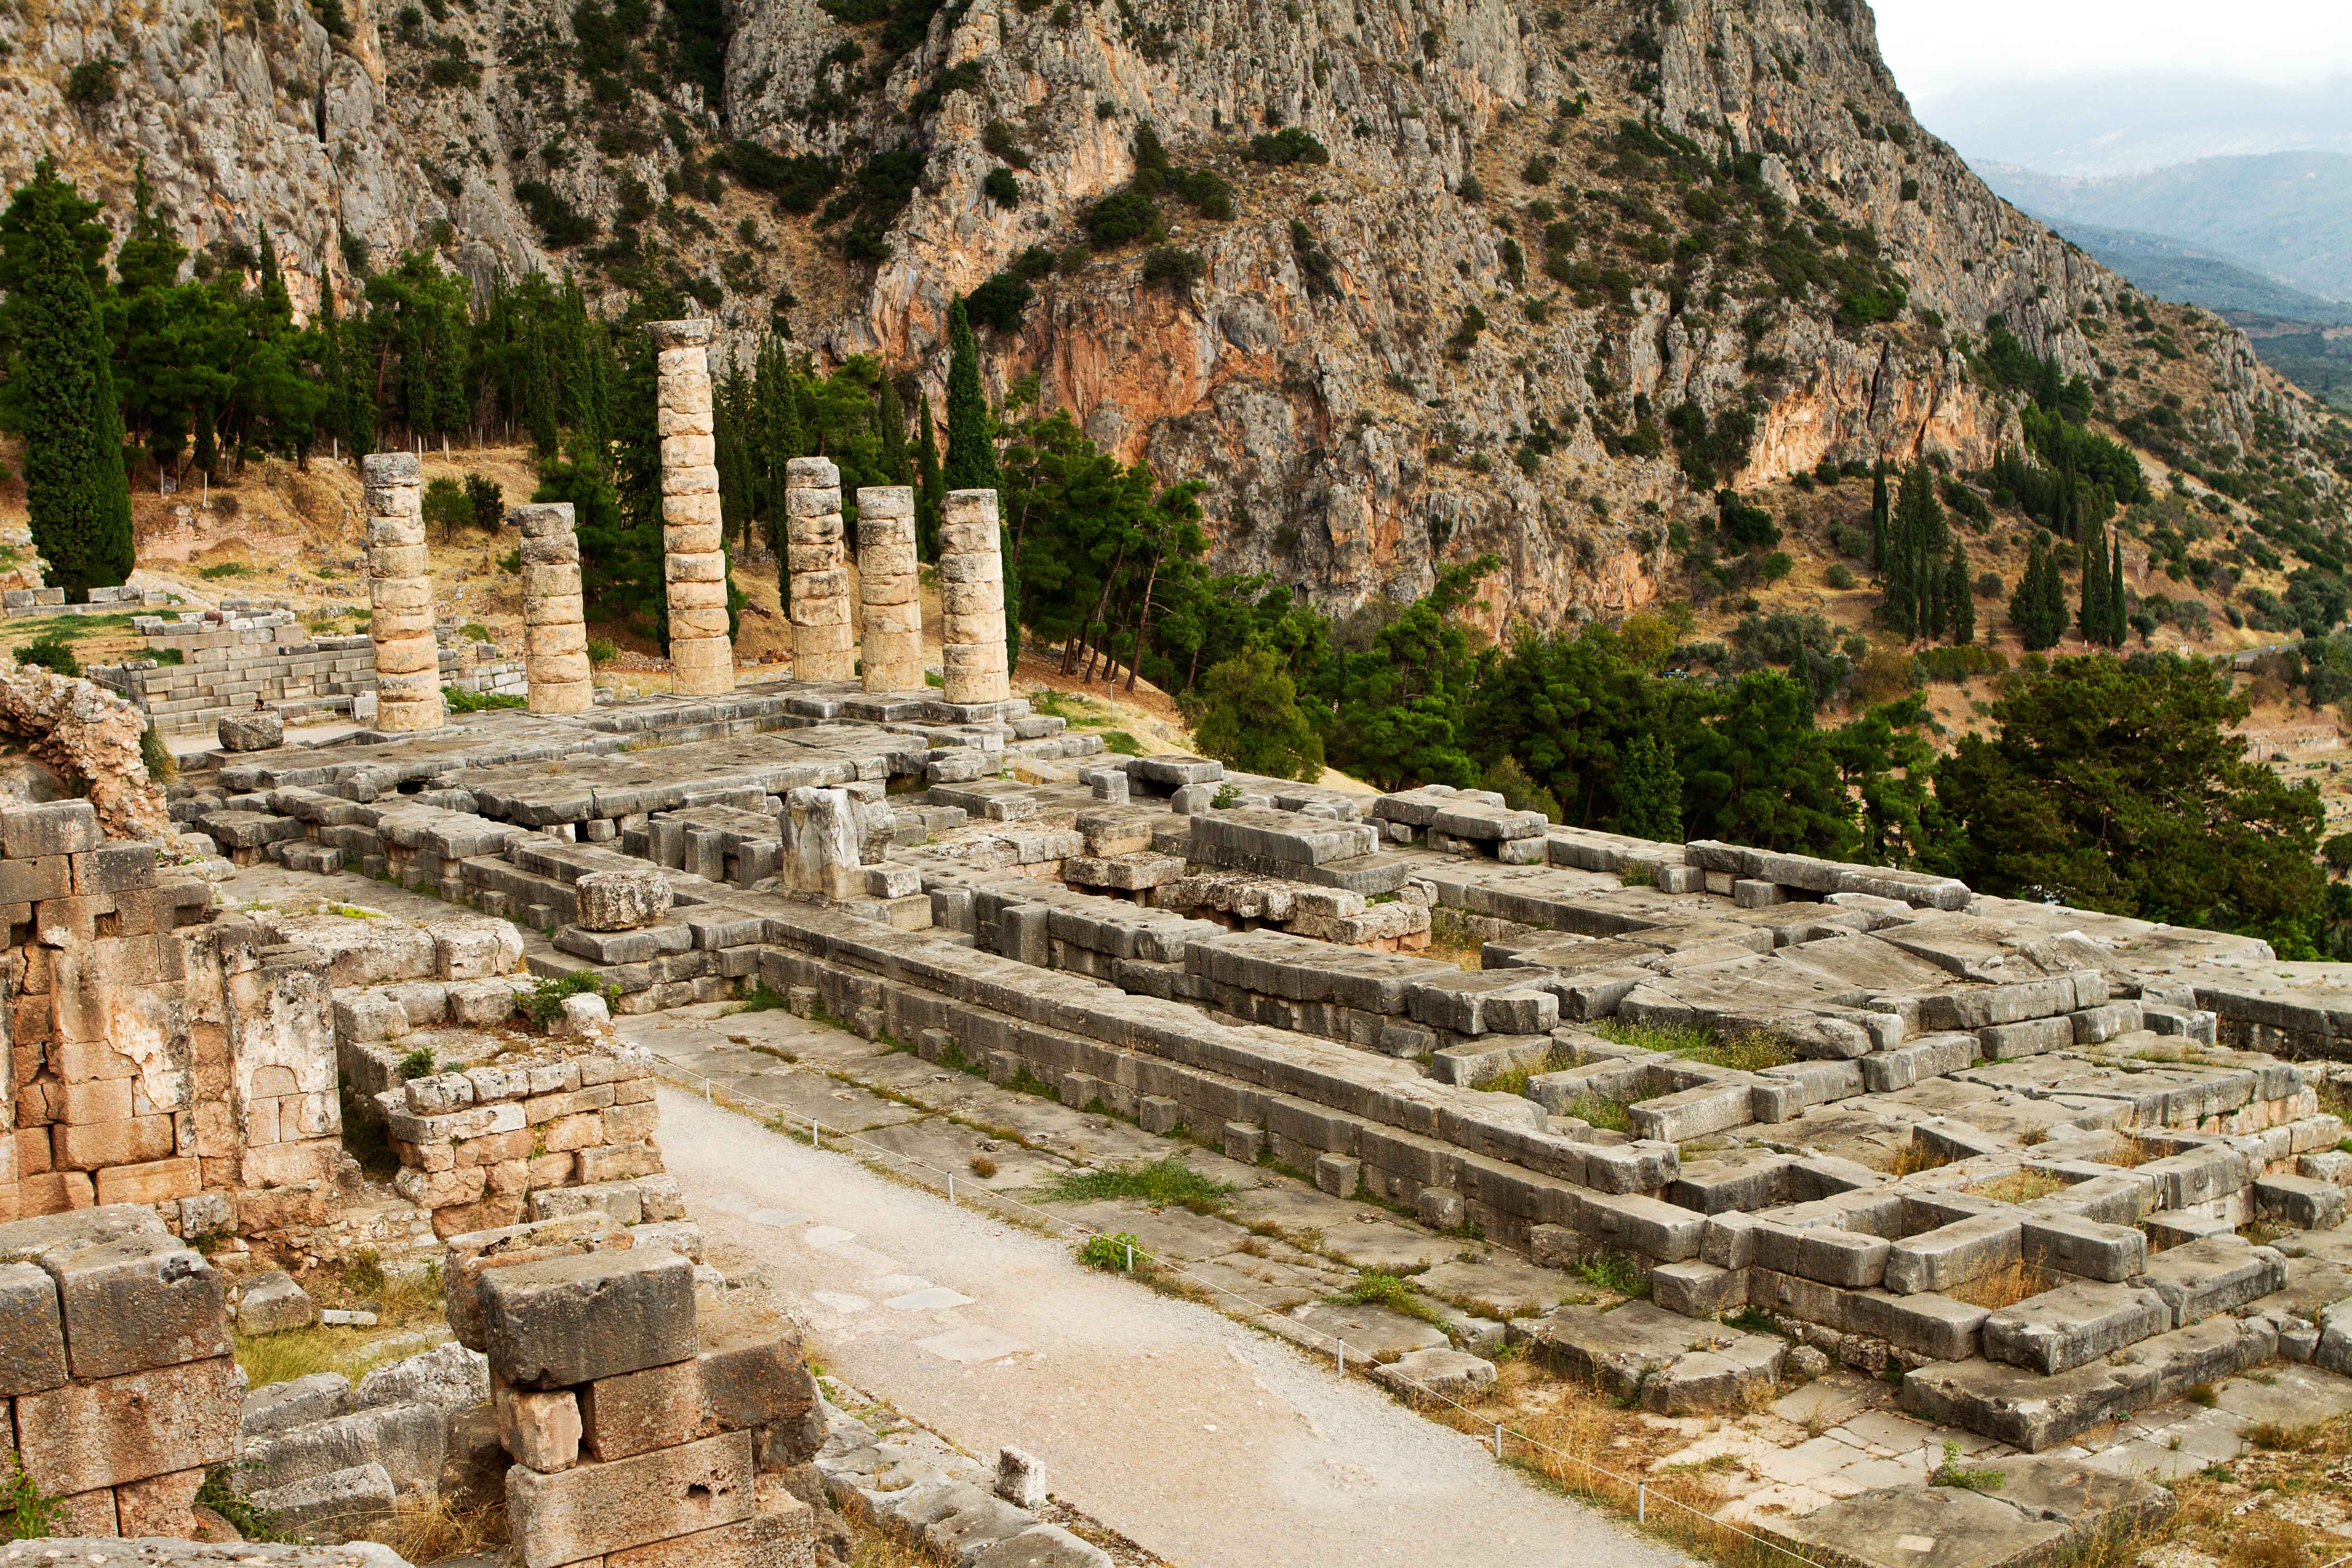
(1649, 792)
(1960, 598)
(2095, 618)
(2053, 597)
(896, 467)
(61, 389)
(2118, 621)
(786, 438)
(1878, 516)
(971, 447)
(972, 458)
(931, 488)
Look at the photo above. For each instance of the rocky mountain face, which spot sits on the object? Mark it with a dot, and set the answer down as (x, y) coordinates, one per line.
(1560, 271)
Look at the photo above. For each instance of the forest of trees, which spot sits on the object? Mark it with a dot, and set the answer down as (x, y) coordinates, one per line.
(2107, 783)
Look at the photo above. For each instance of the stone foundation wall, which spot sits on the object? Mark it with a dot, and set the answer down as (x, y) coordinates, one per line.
(119, 1378)
(481, 1147)
(647, 1427)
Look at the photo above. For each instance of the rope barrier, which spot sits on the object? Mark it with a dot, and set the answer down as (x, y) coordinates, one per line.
(1291, 1327)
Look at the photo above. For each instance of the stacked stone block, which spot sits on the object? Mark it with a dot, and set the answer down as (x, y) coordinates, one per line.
(478, 1147)
(641, 1437)
(889, 589)
(105, 1108)
(400, 590)
(118, 1374)
(817, 561)
(694, 558)
(554, 620)
(971, 599)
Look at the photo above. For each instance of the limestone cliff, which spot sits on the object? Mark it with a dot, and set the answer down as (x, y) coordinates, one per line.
(1690, 158)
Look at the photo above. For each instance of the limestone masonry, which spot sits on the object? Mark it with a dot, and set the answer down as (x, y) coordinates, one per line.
(400, 590)
(889, 589)
(817, 564)
(694, 556)
(554, 628)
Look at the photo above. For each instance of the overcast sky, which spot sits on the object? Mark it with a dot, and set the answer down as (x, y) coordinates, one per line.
(1937, 46)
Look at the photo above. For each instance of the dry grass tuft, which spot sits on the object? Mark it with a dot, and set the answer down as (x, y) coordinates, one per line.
(1914, 1157)
(2004, 1287)
(2020, 1187)
(434, 1530)
(2131, 1151)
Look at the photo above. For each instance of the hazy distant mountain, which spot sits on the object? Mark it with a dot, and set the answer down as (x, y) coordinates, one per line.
(2285, 213)
(2172, 269)
(2094, 127)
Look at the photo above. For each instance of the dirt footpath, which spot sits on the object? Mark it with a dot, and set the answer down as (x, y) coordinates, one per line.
(1213, 1445)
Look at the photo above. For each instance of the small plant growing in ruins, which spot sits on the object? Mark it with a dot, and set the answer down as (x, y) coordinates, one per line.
(544, 1005)
(1914, 1157)
(1612, 1270)
(1638, 874)
(1379, 1287)
(1226, 797)
(1159, 1184)
(1951, 1473)
(982, 1166)
(31, 1511)
(1115, 1254)
(417, 1064)
(219, 1494)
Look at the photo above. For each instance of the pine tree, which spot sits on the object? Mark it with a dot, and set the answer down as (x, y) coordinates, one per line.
(1878, 517)
(931, 488)
(60, 390)
(1959, 597)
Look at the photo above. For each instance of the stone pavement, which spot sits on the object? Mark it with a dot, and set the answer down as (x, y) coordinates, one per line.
(1171, 1423)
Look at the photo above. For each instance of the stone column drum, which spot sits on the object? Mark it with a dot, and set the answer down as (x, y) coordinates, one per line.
(890, 589)
(822, 646)
(971, 599)
(399, 594)
(555, 637)
(694, 562)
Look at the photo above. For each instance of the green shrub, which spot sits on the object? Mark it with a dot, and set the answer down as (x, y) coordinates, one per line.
(50, 650)
(1121, 219)
(215, 572)
(601, 651)
(1288, 145)
(1173, 268)
(999, 186)
(417, 1064)
(461, 701)
(91, 83)
(1114, 1254)
(999, 302)
(544, 1003)
(1838, 577)
(475, 631)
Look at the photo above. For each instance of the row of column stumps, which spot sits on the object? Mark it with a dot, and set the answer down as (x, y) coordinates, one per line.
(400, 595)
(818, 565)
(971, 599)
(556, 633)
(890, 589)
(694, 560)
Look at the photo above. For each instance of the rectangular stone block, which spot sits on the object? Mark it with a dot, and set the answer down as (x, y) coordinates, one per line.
(2088, 1248)
(32, 1335)
(2201, 1278)
(139, 1301)
(2072, 1326)
(1952, 1254)
(565, 1320)
(596, 1509)
(638, 1412)
(1849, 1259)
(83, 1436)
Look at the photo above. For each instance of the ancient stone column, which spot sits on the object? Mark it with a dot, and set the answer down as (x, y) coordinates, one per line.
(694, 563)
(971, 599)
(887, 585)
(822, 648)
(399, 593)
(820, 833)
(555, 637)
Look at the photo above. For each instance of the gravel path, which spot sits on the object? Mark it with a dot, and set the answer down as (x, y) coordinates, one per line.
(1211, 1444)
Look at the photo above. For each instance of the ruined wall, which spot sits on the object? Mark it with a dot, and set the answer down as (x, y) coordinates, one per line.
(118, 1375)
